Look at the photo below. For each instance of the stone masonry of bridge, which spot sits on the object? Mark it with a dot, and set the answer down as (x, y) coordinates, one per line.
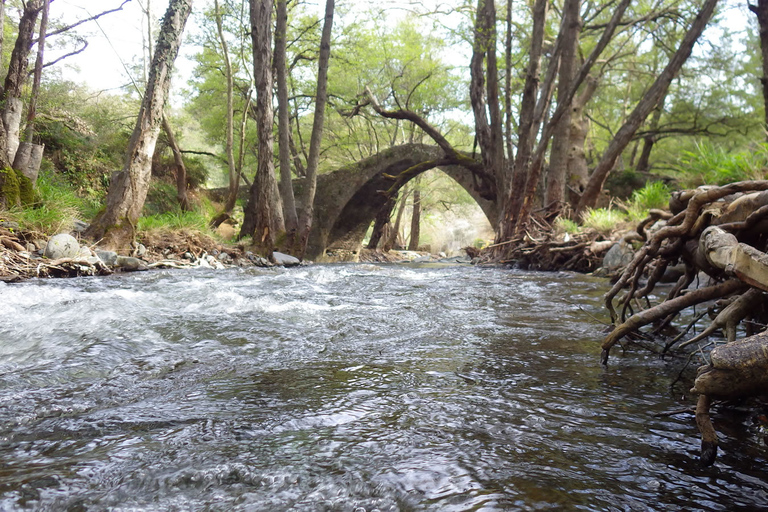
(349, 198)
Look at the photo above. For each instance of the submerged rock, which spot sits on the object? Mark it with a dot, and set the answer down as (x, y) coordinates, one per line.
(61, 246)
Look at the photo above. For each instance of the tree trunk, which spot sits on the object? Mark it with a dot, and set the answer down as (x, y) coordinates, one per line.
(643, 163)
(558, 161)
(284, 123)
(578, 170)
(31, 111)
(643, 108)
(317, 130)
(525, 135)
(234, 177)
(116, 225)
(508, 88)
(181, 169)
(263, 214)
(14, 80)
(381, 222)
(395, 232)
(761, 11)
(487, 131)
(413, 245)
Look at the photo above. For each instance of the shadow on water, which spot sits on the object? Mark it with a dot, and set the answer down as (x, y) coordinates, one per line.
(351, 387)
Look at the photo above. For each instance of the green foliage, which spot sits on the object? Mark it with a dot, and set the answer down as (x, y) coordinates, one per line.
(26, 189)
(10, 192)
(174, 220)
(567, 226)
(55, 208)
(710, 164)
(655, 194)
(603, 220)
(161, 198)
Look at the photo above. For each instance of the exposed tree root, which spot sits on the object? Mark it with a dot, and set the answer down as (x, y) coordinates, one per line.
(719, 234)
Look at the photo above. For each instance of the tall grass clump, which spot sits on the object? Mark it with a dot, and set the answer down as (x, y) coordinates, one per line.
(653, 195)
(603, 220)
(55, 209)
(174, 220)
(713, 165)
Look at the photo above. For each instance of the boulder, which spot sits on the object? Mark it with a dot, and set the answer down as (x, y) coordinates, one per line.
(618, 257)
(61, 246)
(130, 264)
(108, 257)
(285, 260)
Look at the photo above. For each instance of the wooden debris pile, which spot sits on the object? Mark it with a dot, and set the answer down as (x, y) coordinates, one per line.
(542, 248)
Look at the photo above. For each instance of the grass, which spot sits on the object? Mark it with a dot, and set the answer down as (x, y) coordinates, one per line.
(712, 165)
(603, 220)
(174, 220)
(653, 195)
(55, 209)
(567, 226)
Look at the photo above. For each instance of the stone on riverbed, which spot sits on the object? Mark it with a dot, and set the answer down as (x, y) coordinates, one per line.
(108, 257)
(61, 246)
(130, 264)
(285, 260)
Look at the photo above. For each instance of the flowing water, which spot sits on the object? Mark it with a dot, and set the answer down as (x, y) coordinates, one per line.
(349, 388)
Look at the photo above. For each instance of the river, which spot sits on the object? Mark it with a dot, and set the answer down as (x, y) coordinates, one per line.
(344, 388)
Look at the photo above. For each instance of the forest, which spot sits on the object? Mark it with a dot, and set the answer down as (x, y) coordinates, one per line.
(305, 129)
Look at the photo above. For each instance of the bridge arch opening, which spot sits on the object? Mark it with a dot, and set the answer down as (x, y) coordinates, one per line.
(353, 196)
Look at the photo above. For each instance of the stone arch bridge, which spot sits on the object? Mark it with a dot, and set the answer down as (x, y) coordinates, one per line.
(349, 198)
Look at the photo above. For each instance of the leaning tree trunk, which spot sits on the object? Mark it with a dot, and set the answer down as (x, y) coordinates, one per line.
(263, 213)
(321, 98)
(116, 225)
(380, 223)
(649, 101)
(391, 240)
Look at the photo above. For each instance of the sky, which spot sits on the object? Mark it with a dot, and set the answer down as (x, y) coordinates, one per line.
(118, 38)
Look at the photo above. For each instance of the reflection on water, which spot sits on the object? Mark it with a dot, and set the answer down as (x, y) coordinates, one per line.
(355, 388)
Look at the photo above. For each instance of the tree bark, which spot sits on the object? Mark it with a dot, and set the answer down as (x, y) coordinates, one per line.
(321, 99)
(488, 132)
(643, 163)
(558, 161)
(14, 80)
(649, 101)
(413, 244)
(578, 170)
(525, 133)
(380, 223)
(234, 176)
(284, 126)
(391, 240)
(761, 11)
(263, 213)
(31, 111)
(181, 169)
(116, 225)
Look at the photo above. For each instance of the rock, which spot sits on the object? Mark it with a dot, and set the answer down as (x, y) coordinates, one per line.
(285, 260)
(618, 257)
(442, 254)
(61, 246)
(79, 226)
(39, 244)
(225, 258)
(108, 257)
(30, 247)
(9, 225)
(130, 264)
(84, 253)
(140, 251)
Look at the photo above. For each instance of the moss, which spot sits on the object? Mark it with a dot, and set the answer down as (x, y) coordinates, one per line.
(9, 194)
(26, 189)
